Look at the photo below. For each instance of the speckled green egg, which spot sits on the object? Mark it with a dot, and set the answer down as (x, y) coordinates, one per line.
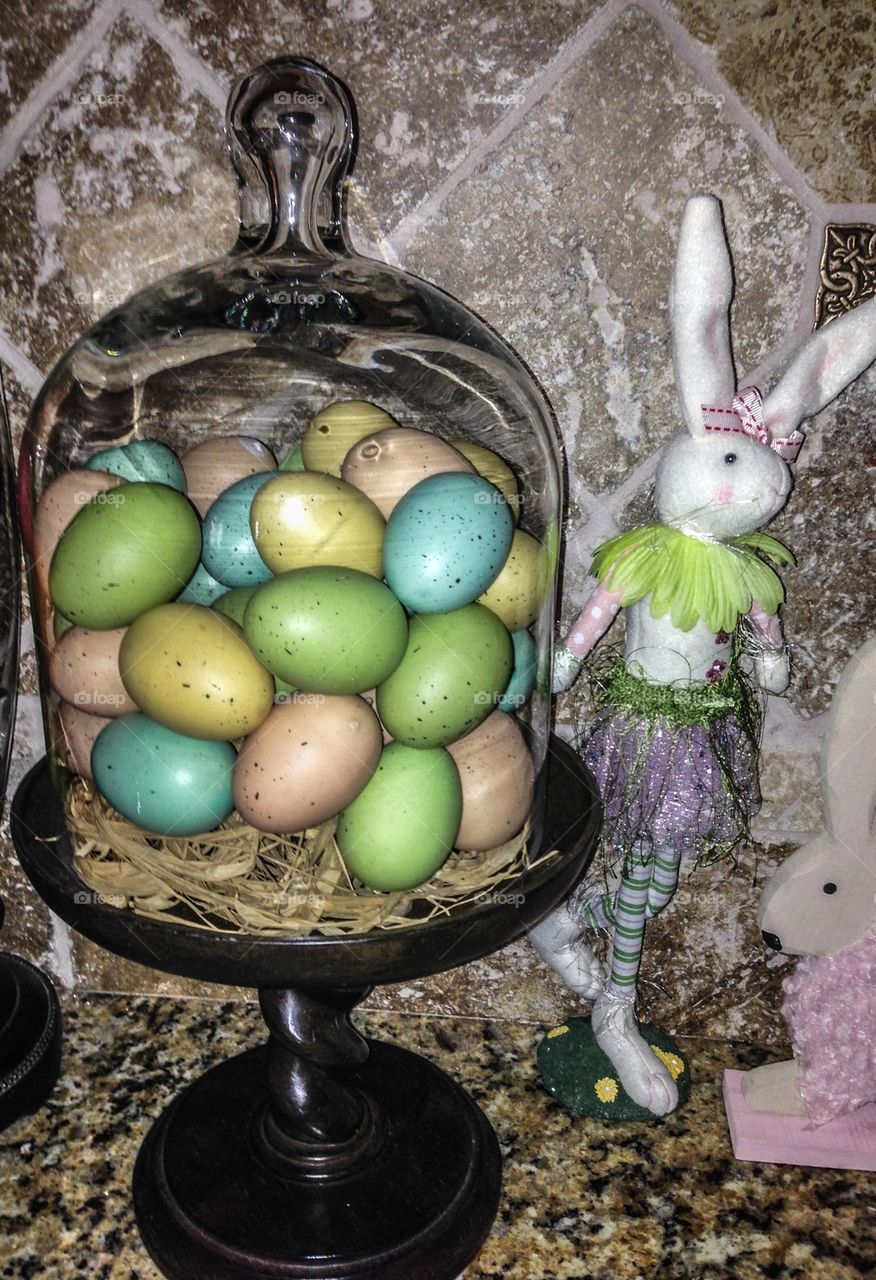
(294, 460)
(455, 669)
(327, 630)
(229, 550)
(191, 669)
(446, 541)
(202, 588)
(233, 603)
(141, 460)
(125, 552)
(400, 829)
(160, 780)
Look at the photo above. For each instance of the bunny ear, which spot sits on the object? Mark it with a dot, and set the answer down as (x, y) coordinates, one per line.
(699, 308)
(827, 361)
(848, 776)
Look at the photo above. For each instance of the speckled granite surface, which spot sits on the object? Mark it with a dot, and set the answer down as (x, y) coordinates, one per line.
(581, 1200)
(532, 156)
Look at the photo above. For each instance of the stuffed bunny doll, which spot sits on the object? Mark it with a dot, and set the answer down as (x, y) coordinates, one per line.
(674, 745)
(821, 903)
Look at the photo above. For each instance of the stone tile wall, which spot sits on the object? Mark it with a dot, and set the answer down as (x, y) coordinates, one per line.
(533, 158)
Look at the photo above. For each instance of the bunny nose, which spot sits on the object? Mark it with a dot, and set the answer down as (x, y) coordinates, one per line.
(772, 940)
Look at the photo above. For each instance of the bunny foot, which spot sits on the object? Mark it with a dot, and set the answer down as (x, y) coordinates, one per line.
(641, 1072)
(559, 940)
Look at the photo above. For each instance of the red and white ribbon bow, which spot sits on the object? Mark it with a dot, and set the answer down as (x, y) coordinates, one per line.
(745, 416)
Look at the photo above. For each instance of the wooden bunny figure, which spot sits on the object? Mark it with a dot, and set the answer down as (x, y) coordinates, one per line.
(821, 903)
(674, 746)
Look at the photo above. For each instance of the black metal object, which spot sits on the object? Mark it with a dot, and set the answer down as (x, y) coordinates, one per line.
(323, 1155)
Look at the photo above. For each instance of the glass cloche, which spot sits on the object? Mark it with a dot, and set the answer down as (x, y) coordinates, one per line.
(292, 520)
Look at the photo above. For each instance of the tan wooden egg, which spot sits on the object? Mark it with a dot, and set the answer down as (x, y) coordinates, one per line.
(306, 762)
(331, 434)
(78, 733)
(215, 465)
(84, 671)
(495, 769)
(389, 463)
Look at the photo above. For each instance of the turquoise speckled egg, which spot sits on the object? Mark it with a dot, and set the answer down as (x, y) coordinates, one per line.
(202, 588)
(141, 460)
(401, 827)
(446, 541)
(229, 549)
(522, 681)
(160, 780)
(126, 551)
(455, 669)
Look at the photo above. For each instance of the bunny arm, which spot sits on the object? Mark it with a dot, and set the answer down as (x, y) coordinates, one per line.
(588, 628)
(770, 663)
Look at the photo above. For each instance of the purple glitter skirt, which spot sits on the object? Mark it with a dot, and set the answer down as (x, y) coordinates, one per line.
(665, 784)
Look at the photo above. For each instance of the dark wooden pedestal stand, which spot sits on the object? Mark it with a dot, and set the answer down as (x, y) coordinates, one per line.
(322, 1155)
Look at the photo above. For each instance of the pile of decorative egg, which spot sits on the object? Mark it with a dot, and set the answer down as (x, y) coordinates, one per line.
(344, 635)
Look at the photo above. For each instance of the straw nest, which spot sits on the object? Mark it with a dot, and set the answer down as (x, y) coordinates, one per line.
(240, 880)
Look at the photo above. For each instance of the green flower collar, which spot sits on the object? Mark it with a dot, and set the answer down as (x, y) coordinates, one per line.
(692, 578)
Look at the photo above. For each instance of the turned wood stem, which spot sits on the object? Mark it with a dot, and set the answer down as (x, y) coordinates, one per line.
(313, 1045)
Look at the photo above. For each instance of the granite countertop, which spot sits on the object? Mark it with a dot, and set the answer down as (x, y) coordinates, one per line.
(582, 1200)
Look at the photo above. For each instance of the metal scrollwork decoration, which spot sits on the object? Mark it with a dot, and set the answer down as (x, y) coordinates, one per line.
(847, 269)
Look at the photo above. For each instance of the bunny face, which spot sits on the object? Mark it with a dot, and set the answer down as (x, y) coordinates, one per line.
(821, 900)
(720, 485)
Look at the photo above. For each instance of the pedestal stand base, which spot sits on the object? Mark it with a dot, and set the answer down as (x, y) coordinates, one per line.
(210, 1208)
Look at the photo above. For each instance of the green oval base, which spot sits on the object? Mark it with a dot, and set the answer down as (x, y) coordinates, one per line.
(579, 1075)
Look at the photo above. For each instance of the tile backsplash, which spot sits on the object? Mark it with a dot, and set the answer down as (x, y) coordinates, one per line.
(532, 157)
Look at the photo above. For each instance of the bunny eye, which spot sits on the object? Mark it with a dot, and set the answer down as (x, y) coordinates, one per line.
(830, 887)
(729, 458)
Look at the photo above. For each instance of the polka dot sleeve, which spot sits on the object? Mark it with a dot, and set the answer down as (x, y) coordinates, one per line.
(593, 621)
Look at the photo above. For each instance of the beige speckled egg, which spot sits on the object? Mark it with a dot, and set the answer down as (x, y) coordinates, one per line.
(60, 501)
(495, 769)
(494, 469)
(305, 518)
(386, 465)
(218, 463)
(518, 592)
(308, 760)
(332, 433)
(77, 733)
(190, 668)
(84, 671)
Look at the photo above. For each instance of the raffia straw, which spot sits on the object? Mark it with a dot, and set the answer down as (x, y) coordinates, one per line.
(240, 880)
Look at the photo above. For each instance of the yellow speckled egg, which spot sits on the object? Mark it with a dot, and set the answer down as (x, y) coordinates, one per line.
(305, 518)
(309, 759)
(517, 594)
(495, 770)
(494, 469)
(77, 733)
(217, 464)
(332, 433)
(190, 668)
(386, 465)
(84, 671)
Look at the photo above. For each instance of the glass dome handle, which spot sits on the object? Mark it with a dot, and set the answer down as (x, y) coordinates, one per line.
(291, 134)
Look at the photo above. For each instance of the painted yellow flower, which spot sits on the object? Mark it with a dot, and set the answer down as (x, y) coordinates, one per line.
(606, 1089)
(557, 1031)
(671, 1061)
